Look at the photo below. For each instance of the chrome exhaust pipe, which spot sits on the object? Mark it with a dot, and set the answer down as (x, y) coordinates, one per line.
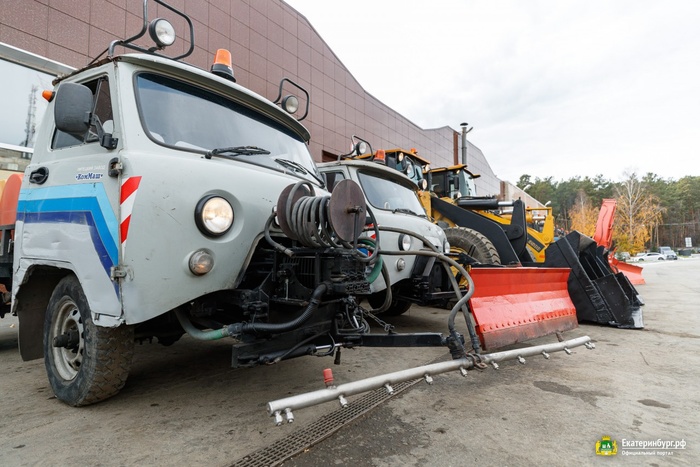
(288, 404)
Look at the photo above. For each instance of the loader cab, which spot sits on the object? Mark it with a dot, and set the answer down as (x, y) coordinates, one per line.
(453, 182)
(406, 162)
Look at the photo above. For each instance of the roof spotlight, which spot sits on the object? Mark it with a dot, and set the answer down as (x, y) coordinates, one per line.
(162, 32)
(290, 104)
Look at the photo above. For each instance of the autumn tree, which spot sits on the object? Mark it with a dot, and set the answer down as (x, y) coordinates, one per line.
(583, 215)
(638, 214)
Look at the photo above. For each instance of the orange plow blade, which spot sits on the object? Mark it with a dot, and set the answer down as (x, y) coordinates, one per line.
(513, 305)
(632, 272)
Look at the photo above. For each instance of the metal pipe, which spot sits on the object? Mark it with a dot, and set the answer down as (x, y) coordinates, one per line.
(464, 141)
(309, 399)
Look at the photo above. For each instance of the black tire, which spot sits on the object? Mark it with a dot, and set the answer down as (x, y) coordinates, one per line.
(472, 243)
(94, 361)
(397, 307)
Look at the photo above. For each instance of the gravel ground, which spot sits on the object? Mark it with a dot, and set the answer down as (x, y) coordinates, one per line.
(183, 405)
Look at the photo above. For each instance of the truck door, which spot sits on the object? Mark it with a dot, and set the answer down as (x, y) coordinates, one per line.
(68, 210)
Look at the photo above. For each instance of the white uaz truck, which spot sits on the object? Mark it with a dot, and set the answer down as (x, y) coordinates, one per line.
(161, 199)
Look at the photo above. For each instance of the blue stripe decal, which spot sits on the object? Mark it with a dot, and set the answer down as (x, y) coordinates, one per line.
(85, 204)
(76, 217)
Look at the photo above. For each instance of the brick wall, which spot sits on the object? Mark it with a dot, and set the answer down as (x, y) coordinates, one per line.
(268, 40)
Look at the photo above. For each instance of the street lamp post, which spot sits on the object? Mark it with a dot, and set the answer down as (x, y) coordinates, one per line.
(465, 148)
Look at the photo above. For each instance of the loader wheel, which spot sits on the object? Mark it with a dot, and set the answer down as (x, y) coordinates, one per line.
(397, 307)
(85, 363)
(472, 243)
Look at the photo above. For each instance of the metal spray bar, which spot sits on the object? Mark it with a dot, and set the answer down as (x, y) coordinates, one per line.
(288, 404)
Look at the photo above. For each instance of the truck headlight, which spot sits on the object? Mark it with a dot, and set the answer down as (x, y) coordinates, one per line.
(404, 242)
(213, 216)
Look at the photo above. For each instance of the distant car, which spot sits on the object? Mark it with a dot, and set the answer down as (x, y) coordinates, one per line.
(623, 256)
(649, 256)
(667, 252)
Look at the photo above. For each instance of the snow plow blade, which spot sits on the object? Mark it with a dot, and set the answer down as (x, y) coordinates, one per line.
(632, 273)
(599, 294)
(512, 305)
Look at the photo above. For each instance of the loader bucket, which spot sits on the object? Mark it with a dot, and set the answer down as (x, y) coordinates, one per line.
(600, 295)
(631, 272)
(517, 304)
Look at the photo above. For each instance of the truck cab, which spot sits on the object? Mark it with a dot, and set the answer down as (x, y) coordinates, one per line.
(158, 202)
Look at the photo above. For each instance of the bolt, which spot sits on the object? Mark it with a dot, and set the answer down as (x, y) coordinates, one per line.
(343, 401)
(289, 414)
(463, 371)
(278, 418)
(494, 365)
(521, 360)
(428, 379)
(388, 388)
(568, 352)
(545, 355)
(590, 345)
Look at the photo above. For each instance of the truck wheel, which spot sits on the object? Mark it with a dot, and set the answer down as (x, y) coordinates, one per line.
(85, 363)
(472, 243)
(397, 307)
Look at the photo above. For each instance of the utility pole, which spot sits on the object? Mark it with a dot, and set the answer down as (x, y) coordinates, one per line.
(465, 149)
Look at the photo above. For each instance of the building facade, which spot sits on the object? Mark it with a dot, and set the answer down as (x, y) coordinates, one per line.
(268, 40)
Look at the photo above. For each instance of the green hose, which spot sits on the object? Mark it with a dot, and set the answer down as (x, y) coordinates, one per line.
(377, 269)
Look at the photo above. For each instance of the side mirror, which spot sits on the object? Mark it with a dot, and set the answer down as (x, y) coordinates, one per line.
(72, 108)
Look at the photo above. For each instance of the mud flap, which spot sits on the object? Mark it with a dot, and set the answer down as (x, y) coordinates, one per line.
(517, 304)
(599, 294)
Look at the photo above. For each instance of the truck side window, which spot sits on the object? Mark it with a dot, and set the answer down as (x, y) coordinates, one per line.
(332, 179)
(102, 109)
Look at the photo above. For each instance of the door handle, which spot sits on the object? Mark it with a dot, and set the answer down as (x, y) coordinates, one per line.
(39, 176)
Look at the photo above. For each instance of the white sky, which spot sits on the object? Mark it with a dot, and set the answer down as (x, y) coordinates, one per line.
(552, 88)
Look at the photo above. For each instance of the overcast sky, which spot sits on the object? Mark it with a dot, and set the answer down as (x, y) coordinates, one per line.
(552, 88)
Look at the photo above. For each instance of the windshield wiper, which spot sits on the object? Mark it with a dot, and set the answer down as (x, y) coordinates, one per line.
(407, 211)
(299, 168)
(236, 151)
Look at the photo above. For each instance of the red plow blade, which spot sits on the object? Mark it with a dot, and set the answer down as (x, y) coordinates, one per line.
(632, 272)
(517, 304)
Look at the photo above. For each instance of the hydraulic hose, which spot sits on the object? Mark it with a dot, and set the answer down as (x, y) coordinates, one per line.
(233, 330)
(198, 334)
(239, 328)
(461, 301)
(376, 270)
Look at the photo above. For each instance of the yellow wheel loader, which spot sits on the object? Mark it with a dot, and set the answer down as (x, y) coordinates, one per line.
(509, 304)
(474, 226)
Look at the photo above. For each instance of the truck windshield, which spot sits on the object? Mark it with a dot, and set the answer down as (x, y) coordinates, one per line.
(387, 194)
(186, 117)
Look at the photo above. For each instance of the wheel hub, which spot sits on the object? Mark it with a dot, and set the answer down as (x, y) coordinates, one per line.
(68, 340)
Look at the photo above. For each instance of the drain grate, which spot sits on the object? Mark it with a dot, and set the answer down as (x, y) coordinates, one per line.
(328, 424)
